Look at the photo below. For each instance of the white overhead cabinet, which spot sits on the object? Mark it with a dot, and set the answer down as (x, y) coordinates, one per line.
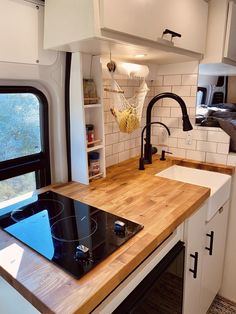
(221, 34)
(96, 27)
(149, 19)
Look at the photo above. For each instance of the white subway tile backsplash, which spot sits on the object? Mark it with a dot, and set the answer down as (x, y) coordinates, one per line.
(200, 135)
(154, 139)
(127, 144)
(216, 158)
(221, 137)
(206, 146)
(124, 155)
(193, 90)
(178, 133)
(108, 128)
(108, 117)
(169, 102)
(158, 81)
(118, 147)
(222, 148)
(182, 143)
(192, 112)
(172, 80)
(181, 90)
(190, 79)
(123, 136)
(115, 127)
(162, 89)
(162, 112)
(190, 101)
(208, 128)
(170, 122)
(112, 138)
(195, 155)
(178, 152)
(176, 112)
(112, 160)
(231, 160)
(135, 152)
(108, 150)
(156, 112)
(172, 142)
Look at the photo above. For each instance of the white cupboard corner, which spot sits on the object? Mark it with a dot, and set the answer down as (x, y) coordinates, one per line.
(93, 26)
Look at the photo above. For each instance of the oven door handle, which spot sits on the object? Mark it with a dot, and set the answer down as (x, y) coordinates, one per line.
(194, 270)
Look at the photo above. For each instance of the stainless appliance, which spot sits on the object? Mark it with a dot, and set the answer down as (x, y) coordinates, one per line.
(72, 234)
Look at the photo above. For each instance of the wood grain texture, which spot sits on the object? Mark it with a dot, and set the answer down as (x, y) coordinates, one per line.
(157, 203)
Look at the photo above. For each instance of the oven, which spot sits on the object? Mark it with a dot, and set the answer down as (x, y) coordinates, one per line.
(156, 286)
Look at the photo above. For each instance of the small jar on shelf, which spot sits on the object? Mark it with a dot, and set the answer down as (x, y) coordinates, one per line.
(90, 93)
(90, 134)
(94, 163)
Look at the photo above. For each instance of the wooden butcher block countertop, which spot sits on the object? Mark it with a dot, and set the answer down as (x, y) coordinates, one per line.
(159, 204)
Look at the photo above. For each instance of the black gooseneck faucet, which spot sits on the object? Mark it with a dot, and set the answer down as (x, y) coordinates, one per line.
(141, 159)
(186, 123)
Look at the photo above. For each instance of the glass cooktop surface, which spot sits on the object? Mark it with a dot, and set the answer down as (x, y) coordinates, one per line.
(70, 233)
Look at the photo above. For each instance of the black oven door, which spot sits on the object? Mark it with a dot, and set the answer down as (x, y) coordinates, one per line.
(161, 291)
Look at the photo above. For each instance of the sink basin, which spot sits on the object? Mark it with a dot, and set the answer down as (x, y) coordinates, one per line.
(218, 183)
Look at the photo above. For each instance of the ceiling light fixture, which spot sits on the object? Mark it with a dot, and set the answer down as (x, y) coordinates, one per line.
(140, 55)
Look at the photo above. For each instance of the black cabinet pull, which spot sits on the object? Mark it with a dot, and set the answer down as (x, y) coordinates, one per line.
(194, 270)
(173, 34)
(211, 236)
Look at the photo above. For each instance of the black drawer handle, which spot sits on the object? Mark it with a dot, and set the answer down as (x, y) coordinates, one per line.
(194, 270)
(211, 236)
(173, 34)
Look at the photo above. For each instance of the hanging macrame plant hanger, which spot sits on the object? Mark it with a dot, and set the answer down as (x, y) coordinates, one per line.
(127, 112)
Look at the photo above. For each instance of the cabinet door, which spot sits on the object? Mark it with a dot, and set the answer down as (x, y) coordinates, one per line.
(194, 239)
(230, 43)
(148, 19)
(212, 270)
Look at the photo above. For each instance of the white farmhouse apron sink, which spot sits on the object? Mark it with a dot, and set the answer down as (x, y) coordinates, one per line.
(218, 183)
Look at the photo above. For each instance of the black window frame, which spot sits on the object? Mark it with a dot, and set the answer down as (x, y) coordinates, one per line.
(39, 162)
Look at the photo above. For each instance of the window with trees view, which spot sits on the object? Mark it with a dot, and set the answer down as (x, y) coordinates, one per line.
(24, 146)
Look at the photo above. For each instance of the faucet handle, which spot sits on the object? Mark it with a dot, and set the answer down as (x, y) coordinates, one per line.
(163, 152)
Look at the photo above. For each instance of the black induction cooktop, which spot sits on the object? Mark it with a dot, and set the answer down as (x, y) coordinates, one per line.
(70, 233)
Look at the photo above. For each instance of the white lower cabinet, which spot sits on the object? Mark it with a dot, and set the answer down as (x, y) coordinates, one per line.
(204, 258)
(213, 257)
(194, 241)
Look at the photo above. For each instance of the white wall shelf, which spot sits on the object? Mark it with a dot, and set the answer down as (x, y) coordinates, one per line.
(92, 106)
(93, 148)
(99, 175)
(85, 66)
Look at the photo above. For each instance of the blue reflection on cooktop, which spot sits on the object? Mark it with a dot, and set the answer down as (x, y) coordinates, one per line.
(35, 231)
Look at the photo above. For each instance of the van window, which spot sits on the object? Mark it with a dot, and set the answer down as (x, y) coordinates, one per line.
(19, 125)
(24, 141)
